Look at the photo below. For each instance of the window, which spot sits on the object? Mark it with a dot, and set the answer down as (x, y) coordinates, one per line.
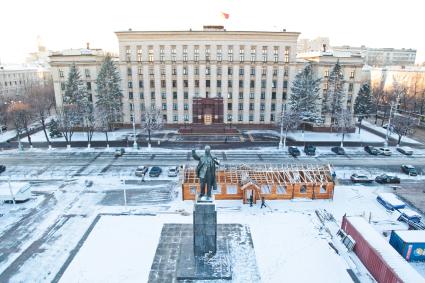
(323, 189)
(129, 71)
(326, 73)
(196, 83)
(252, 71)
(128, 53)
(285, 84)
(303, 189)
(251, 95)
(140, 84)
(240, 106)
(174, 83)
(229, 95)
(130, 84)
(229, 71)
(152, 95)
(87, 73)
(229, 117)
(196, 54)
(219, 71)
(207, 53)
(207, 71)
(274, 94)
(151, 54)
(262, 106)
(230, 54)
(173, 53)
(131, 117)
(131, 107)
(142, 107)
(263, 71)
(162, 71)
(152, 83)
(286, 72)
(352, 75)
(184, 53)
(60, 73)
(174, 94)
(184, 70)
(196, 71)
(185, 83)
(241, 72)
(186, 106)
(163, 83)
(174, 106)
(185, 95)
(261, 117)
(161, 53)
(62, 86)
(252, 84)
(263, 83)
(242, 54)
(276, 54)
(240, 118)
(229, 106)
(253, 54)
(281, 190)
(265, 189)
(325, 86)
(283, 94)
(229, 83)
(251, 118)
(207, 83)
(218, 83)
(164, 106)
(231, 189)
(274, 83)
(163, 95)
(263, 95)
(264, 54)
(272, 118)
(240, 95)
(287, 54)
(186, 117)
(175, 119)
(130, 95)
(350, 86)
(139, 53)
(174, 71)
(240, 83)
(273, 107)
(141, 95)
(219, 54)
(251, 106)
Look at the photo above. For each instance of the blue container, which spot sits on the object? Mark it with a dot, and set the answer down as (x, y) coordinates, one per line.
(410, 244)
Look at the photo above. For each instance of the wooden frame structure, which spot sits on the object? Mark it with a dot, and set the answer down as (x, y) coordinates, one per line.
(272, 182)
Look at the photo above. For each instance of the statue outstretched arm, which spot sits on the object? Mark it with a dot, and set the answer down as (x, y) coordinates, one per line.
(216, 160)
(194, 155)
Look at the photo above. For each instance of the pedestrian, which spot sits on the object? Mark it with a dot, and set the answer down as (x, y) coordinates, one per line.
(251, 200)
(143, 177)
(333, 176)
(263, 202)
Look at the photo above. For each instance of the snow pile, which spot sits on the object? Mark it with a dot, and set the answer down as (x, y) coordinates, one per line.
(391, 200)
(412, 236)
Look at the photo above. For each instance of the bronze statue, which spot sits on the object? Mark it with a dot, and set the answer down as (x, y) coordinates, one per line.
(206, 172)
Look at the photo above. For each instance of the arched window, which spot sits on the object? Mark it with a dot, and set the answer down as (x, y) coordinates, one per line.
(303, 189)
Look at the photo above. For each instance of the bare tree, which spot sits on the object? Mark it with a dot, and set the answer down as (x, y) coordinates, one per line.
(89, 122)
(403, 126)
(20, 113)
(68, 119)
(288, 120)
(151, 121)
(42, 98)
(378, 93)
(344, 121)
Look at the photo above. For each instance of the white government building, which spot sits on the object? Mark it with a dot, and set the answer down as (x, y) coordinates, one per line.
(213, 76)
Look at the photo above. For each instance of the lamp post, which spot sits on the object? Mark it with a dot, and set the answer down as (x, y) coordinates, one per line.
(134, 132)
(281, 126)
(389, 120)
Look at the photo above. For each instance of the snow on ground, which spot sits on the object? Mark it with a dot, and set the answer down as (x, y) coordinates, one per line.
(7, 135)
(384, 131)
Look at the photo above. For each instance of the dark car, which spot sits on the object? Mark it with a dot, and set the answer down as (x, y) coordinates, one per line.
(2, 168)
(338, 150)
(310, 149)
(371, 150)
(356, 178)
(409, 170)
(155, 171)
(294, 151)
(387, 179)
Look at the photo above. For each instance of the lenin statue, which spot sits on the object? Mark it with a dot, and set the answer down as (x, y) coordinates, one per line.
(206, 172)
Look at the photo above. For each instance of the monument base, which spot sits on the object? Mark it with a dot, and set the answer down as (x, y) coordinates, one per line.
(208, 267)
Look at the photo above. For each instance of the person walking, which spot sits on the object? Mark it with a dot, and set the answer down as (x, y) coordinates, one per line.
(263, 202)
(143, 177)
(251, 200)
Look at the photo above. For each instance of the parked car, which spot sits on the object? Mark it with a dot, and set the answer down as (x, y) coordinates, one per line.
(371, 150)
(409, 170)
(384, 151)
(405, 150)
(294, 151)
(173, 171)
(387, 179)
(119, 152)
(2, 168)
(141, 171)
(310, 149)
(155, 171)
(3, 127)
(338, 150)
(356, 178)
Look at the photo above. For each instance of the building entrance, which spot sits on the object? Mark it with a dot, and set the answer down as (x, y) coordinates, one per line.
(207, 111)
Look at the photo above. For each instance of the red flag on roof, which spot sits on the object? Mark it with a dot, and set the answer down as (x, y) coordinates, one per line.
(225, 15)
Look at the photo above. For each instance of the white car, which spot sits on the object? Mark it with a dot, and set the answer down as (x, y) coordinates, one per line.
(405, 150)
(384, 151)
(173, 171)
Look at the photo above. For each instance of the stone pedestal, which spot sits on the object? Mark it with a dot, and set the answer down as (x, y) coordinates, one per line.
(204, 228)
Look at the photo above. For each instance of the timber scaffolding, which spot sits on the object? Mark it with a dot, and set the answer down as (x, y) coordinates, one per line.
(273, 182)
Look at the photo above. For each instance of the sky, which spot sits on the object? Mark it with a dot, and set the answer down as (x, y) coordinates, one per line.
(70, 24)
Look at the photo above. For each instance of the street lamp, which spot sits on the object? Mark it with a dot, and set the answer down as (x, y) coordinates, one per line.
(134, 131)
(389, 120)
(281, 146)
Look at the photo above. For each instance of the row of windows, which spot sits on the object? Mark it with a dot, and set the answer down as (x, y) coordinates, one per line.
(350, 86)
(88, 85)
(207, 55)
(326, 74)
(208, 71)
(86, 73)
(208, 84)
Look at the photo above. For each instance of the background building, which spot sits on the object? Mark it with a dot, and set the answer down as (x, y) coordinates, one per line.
(88, 61)
(208, 76)
(15, 80)
(313, 45)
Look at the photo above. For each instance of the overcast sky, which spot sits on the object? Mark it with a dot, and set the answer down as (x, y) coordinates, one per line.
(66, 24)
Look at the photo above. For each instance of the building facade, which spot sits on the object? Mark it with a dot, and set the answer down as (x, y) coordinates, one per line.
(381, 57)
(88, 62)
(15, 80)
(210, 76)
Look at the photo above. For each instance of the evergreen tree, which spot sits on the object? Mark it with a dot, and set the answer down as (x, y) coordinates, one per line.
(109, 95)
(76, 93)
(305, 94)
(54, 129)
(363, 106)
(333, 98)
